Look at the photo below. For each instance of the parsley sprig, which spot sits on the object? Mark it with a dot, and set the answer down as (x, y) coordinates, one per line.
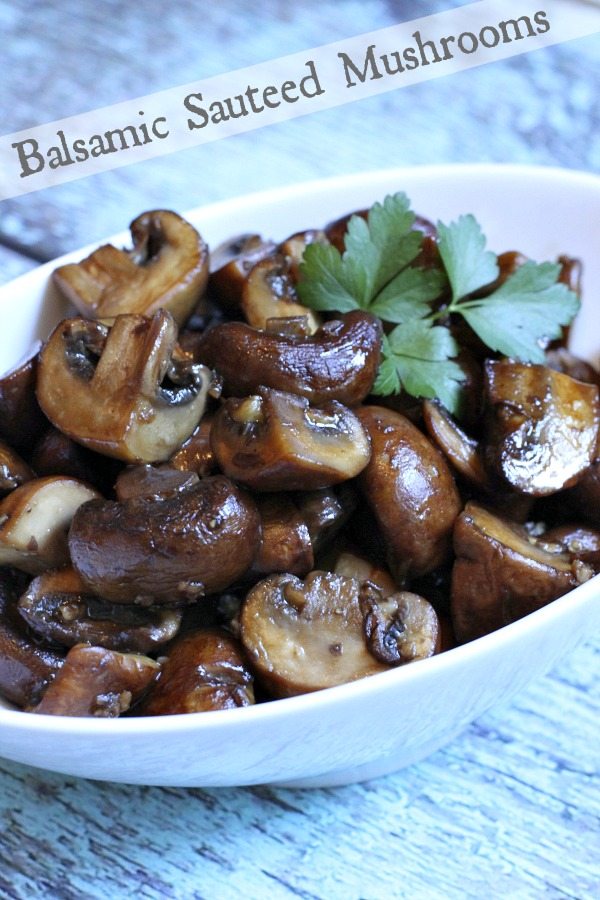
(377, 272)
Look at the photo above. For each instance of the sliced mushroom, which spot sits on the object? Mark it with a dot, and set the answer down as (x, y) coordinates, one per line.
(269, 293)
(352, 566)
(195, 454)
(339, 362)
(35, 519)
(399, 628)
(58, 607)
(21, 419)
(286, 542)
(204, 671)
(26, 666)
(303, 637)
(461, 450)
(502, 573)
(274, 441)
(411, 492)
(152, 482)
(293, 247)
(14, 471)
(230, 264)
(543, 426)
(166, 269)
(168, 551)
(125, 392)
(97, 682)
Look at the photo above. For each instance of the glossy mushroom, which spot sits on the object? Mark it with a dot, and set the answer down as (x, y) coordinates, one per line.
(269, 293)
(166, 269)
(339, 362)
(97, 682)
(543, 426)
(275, 441)
(58, 607)
(411, 492)
(168, 551)
(306, 636)
(14, 471)
(286, 544)
(205, 670)
(502, 573)
(125, 391)
(26, 666)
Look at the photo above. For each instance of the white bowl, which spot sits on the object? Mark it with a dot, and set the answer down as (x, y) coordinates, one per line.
(380, 724)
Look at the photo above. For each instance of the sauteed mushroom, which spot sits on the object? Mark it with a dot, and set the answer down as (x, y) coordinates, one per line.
(274, 441)
(411, 492)
(21, 419)
(13, 470)
(26, 665)
(544, 426)
(167, 551)
(204, 671)
(58, 606)
(124, 391)
(502, 573)
(231, 262)
(286, 544)
(307, 636)
(34, 520)
(97, 682)
(152, 481)
(339, 362)
(269, 292)
(167, 268)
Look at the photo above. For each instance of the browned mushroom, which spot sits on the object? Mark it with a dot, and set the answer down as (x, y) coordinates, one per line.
(339, 362)
(399, 628)
(460, 449)
(34, 520)
(97, 682)
(269, 293)
(326, 512)
(125, 392)
(205, 670)
(152, 481)
(166, 269)
(195, 454)
(230, 264)
(274, 441)
(502, 573)
(350, 565)
(26, 665)
(293, 247)
(21, 419)
(168, 551)
(564, 361)
(578, 541)
(411, 492)
(14, 471)
(543, 428)
(307, 636)
(58, 607)
(286, 544)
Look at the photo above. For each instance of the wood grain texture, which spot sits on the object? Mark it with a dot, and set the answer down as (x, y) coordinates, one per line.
(511, 809)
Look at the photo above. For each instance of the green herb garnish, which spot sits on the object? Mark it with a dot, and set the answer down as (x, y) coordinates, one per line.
(376, 273)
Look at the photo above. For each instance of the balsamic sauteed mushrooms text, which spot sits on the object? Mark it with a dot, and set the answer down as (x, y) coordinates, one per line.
(232, 477)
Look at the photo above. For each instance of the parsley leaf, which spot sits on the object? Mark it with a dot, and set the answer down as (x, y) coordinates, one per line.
(468, 264)
(372, 273)
(528, 309)
(415, 356)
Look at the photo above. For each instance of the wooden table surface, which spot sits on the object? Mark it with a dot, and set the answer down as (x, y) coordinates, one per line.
(512, 807)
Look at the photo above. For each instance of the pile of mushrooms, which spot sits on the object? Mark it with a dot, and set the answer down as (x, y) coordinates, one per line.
(203, 507)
